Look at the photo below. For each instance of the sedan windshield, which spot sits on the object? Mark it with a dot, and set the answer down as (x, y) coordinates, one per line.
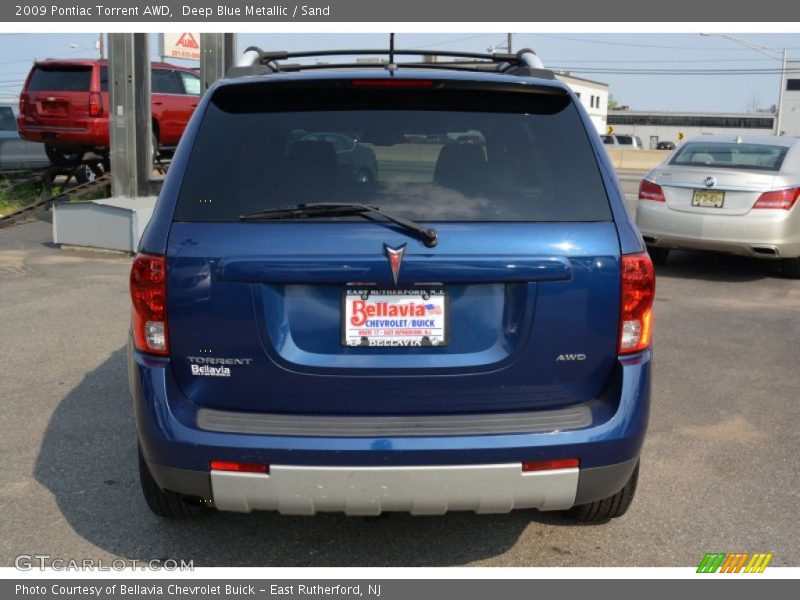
(731, 155)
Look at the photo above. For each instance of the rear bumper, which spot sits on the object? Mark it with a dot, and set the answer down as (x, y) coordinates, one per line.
(420, 490)
(760, 233)
(90, 133)
(367, 474)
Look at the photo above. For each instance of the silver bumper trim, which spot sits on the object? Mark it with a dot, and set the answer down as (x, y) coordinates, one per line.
(420, 490)
(573, 417)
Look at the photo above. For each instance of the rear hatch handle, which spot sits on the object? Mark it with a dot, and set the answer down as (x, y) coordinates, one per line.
(344, 268)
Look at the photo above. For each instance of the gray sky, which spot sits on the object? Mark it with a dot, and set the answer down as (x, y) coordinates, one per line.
(602, 57)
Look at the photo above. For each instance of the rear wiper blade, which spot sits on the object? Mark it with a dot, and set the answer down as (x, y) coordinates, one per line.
(429, 236)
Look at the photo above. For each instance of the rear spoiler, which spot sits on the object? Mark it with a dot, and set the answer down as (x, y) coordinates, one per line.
(525, 63)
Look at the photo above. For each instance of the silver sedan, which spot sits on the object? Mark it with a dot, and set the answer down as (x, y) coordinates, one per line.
(735, 194)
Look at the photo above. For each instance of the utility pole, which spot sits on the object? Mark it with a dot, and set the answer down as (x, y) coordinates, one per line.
(779, 118)
(129, 121)
(772, 53)
(217, 55)
(101, 45)
(509, 42)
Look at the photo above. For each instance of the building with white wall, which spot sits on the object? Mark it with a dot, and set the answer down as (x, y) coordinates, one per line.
(674, 126)
(593, 95)
(668, 126)
(790, 121)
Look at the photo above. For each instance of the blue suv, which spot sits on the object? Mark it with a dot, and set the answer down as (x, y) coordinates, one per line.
(466, 328)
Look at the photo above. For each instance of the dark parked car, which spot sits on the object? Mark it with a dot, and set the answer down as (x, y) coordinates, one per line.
(64, 104)
(17, 154)
(471, 331)
(665, 146)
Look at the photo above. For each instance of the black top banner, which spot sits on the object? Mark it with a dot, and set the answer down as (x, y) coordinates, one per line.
(452, 11)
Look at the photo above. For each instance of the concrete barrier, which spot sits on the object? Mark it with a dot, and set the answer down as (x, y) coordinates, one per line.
(640, 160)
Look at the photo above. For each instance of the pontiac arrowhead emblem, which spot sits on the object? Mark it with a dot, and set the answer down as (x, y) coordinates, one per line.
(395, 256)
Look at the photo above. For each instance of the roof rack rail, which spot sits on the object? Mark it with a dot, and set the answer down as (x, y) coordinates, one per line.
(525, 63)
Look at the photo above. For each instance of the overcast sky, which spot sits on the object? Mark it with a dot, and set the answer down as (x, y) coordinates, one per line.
(693, 61)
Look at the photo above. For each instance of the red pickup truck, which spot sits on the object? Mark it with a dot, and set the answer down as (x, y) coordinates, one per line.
(64, 104)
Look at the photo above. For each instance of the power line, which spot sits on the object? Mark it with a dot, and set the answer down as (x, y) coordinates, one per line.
(687, 73)
(681, 60)
(633, 45)
(464, 39)
(33, 59)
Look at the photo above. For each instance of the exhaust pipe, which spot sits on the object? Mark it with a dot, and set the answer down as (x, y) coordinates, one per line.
(771, 251)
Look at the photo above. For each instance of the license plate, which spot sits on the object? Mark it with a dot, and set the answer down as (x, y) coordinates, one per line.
(395, 318)
(708, 198)
(54, 108)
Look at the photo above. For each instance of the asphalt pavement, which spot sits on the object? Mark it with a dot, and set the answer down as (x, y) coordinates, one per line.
(719, 466)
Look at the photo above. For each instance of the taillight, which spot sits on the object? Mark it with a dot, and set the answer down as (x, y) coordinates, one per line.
(393, 83)
(149, 296)
(227, 465)
(636, 313)
(651, 191)
(23, 104)
(784, 199)
(95, 104)
(530, 466)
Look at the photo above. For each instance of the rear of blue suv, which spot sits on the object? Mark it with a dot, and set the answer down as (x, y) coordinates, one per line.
(466, 328)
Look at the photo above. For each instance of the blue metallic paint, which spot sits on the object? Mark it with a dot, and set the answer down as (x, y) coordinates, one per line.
(166, 422)
(166, 416)
(505, 333)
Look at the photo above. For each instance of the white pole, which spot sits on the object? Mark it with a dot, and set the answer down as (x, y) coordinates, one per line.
(780, 95)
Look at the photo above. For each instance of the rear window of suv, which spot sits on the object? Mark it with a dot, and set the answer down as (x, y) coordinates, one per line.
(61, 79)
(428, 154)
(724, 155)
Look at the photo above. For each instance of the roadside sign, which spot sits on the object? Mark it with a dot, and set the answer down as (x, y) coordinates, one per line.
(181, 45)
(610, 130)
(680, 136)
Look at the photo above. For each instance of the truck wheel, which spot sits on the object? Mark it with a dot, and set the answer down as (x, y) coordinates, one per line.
(84, 173)
(155, 143)
(658, 255)
(791, 267)
(162, 502)
(609, 508)
(60, 158)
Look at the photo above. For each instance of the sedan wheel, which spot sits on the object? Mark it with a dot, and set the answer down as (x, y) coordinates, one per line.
(791, 267)
(658, 255)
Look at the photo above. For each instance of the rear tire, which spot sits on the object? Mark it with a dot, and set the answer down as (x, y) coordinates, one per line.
(84, 173)
(609, 508)
(791, 267)
(98, 167)
(658, 255)
(62, 159)
(163, 502)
